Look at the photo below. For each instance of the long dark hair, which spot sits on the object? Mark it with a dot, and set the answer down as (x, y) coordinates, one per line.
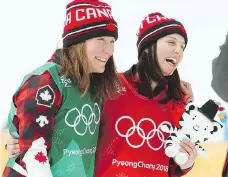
(74, 64)
(149, 70)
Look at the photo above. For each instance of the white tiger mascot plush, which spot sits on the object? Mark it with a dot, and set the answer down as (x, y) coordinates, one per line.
(197, 125)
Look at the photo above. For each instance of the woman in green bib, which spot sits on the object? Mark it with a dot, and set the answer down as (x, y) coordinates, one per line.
(55, 112)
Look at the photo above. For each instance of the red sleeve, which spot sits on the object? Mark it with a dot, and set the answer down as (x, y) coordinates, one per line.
(175, 170)
(225, 168)
(36, 104)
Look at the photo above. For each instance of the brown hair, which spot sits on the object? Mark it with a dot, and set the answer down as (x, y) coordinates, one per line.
(148, 70)
(75, 65)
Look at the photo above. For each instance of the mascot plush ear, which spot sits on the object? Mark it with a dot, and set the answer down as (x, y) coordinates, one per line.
(196, 125)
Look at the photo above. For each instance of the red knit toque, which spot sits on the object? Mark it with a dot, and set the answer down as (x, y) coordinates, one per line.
(86, 19)
(156, 26)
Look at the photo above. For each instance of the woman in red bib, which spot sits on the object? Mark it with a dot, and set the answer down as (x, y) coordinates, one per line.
(131, 143)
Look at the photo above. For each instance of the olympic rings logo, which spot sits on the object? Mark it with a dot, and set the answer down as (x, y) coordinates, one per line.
(81, 118)
(137, 129)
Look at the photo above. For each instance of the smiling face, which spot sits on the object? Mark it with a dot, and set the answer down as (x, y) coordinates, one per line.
(201, 124)
(197, 125)
(170, 51)
(98, 51)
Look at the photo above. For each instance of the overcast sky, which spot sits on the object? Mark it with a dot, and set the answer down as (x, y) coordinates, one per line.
(31, 30)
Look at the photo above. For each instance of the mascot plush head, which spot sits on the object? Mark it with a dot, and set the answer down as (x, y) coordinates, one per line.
(196, 125)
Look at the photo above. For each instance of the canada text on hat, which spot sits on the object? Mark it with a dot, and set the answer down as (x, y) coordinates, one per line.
(83, 17)
(156, 26)
(153, 21)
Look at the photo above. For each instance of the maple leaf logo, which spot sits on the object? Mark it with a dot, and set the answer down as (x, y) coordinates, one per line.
(45, 95)
(41, 157)
(111, 26)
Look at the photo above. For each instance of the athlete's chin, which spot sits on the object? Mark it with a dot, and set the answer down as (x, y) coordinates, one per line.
(101, 71)
(168, 73)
